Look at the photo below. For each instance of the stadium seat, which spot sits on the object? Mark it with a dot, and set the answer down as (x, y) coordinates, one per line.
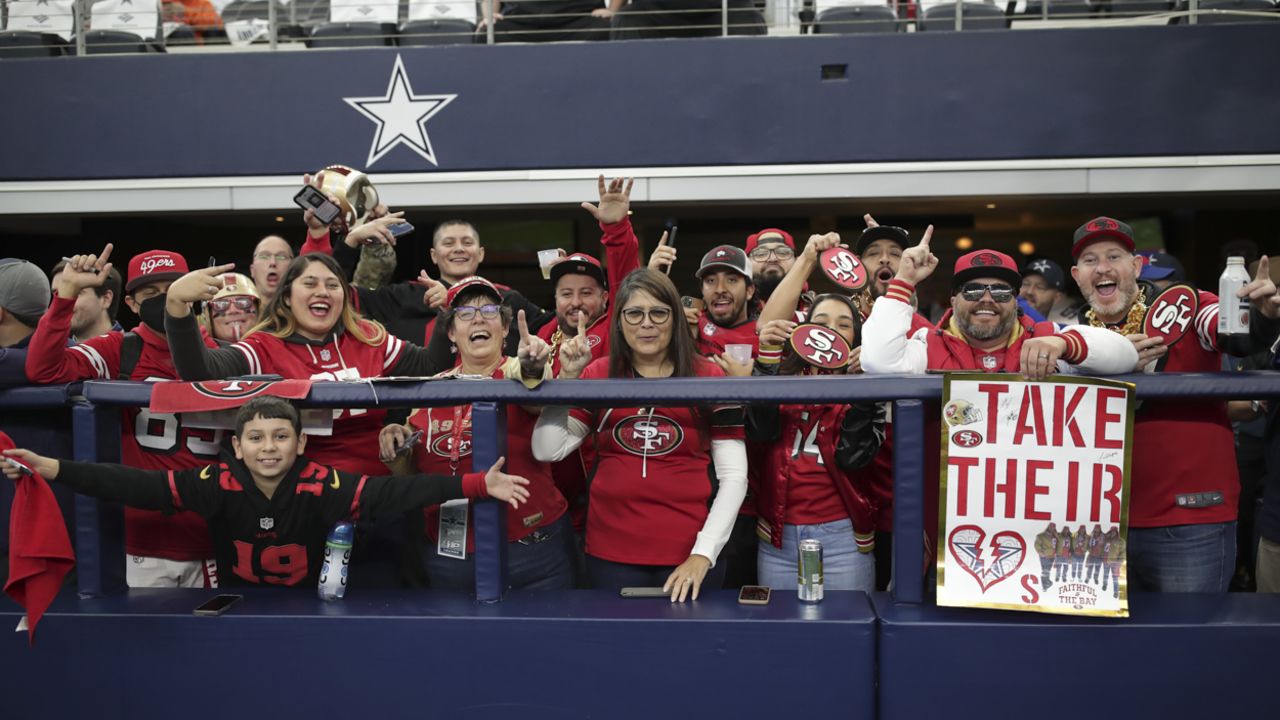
(27, 44)
(1134, 7)
(180, 35)
(856, 20)
(113, 42)
(334, 35)
(1207, 17)
(1059, 8)
(976, 16)
(436, 32)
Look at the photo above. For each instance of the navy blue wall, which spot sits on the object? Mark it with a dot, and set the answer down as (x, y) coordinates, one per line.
(921, 96)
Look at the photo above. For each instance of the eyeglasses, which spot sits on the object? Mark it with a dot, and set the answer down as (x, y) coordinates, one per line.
(657, 315)
(782, 252)
(268, 257)
(973, 292)
(222, 306)
(467, 313)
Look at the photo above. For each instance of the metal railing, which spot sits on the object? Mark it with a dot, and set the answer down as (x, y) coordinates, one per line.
(96, 427)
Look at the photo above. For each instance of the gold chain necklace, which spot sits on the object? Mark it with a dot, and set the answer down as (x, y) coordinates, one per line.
(1132, 321)
(556, 338)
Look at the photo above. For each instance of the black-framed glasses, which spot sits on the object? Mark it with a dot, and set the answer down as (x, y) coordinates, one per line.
(782, 252)
(221, 306)
(973, 292)
(467, 313)
(657, 315)
(268, 257)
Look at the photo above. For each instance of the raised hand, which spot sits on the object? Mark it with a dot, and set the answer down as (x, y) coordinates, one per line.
(533, 351)
(42, 466)
(504, 487)
(1262, 291)
(82, 271)
(870, 221)
(375, 232)
(917, 262)
(200, 284)
(435, 293)
(615, 200)
(663, 257)
(575, 352)
(776, 333)
(819, 243)
(314, 226)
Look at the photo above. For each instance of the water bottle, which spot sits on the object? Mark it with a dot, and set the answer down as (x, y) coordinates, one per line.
(337, 557)
(1233, 312)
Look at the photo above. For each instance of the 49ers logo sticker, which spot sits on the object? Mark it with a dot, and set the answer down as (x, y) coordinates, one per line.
(820, 346)
(844, 268)
(231, 389)
(1172, 313)
(648, 435)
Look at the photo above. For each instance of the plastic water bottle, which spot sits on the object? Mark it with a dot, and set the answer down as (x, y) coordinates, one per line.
(337, 557)
(1233, 312)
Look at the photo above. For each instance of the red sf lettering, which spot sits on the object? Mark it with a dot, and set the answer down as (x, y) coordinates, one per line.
(993, 391)
(1029, 582)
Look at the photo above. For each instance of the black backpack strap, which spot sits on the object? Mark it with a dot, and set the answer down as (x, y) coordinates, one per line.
(130, 351)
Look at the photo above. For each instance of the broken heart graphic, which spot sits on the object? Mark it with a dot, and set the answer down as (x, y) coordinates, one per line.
(990, 563)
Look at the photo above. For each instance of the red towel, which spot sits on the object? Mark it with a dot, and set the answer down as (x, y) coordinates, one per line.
(40, 554)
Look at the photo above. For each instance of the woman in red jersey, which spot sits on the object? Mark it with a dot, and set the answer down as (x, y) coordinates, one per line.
(539, 533)
(659, 510)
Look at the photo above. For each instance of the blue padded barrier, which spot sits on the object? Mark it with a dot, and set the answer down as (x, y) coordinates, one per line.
(99, 538)
(1176, 656)
(489, 421)
(583, 654)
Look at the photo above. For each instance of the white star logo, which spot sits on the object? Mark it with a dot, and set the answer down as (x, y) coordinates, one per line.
(401, 116)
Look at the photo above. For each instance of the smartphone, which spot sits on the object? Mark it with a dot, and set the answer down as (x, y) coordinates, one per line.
(401, 228)
(754, 595)
(644, 592)
(20, 466)
(671, 236)
(409, 442)
(309, 198)
(217, 605)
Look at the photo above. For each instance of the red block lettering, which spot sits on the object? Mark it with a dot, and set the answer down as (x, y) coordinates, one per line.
(1030, 417)
(1112, 493)
(993, 391)
(1029, 582)
(1073, 489)
(1064, 415)
(1035, 489)
(1008, 488)
(962, 464)
(1101, 439)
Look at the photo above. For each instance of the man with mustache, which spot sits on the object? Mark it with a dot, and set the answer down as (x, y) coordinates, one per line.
(773, 253)
(1185, 485)
(729, 309)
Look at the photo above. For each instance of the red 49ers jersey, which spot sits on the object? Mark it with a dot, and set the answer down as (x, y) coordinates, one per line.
(653, 481)
(443, 426)
(353, 446)
(712, 337)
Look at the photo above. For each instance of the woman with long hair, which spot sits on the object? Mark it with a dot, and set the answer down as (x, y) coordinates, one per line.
(660, 509)
(539, 534)
(309, 330)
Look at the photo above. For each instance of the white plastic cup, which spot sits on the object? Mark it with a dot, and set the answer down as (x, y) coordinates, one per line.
(547, 258)
(741, 353)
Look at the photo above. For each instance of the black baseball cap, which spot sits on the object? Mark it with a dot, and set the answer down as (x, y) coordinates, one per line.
(1047, 269)
(882, 232)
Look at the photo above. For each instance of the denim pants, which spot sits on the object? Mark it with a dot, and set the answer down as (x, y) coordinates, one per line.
(843, 567)
(1182, 558)
(541, 561)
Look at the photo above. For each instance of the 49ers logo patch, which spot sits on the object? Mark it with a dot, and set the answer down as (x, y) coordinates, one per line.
(1172, 313)
(231, 389)
(843, 267)
(212, 395)
(967, 439)
(648, 435)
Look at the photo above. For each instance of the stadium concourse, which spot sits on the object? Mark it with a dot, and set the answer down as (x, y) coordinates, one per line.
(586, 337)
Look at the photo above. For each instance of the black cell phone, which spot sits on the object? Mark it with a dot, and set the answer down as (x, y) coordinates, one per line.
(409, 442)
(309, 198)
(671, 236)
(754, 595)
(217, 605)
(401, 228)
(644, 592)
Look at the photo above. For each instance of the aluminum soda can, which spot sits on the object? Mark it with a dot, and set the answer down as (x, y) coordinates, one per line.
(809, 566)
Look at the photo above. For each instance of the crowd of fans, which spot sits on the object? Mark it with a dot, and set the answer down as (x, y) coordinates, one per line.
(687, 498)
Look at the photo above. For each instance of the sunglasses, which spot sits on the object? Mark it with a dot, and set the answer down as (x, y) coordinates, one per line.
(467, 313)
(782, 252)
(222, 306)
(657, 315)
(973, 292)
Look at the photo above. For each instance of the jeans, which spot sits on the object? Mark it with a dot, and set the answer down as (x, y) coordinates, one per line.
(609, 575)
(1182, 558)
(843, 567)
(542, 561)
(1268, 566)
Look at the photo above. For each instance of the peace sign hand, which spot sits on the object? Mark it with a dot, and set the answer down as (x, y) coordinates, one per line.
(917, 262)
(82, 271)
(1262, 291)
(533, 351)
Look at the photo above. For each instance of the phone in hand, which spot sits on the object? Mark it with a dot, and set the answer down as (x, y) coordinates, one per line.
(754, 595)
(217, 605)
(400, 229)
(644, 592)
(309, 198)
(409, 442)
(19, 466)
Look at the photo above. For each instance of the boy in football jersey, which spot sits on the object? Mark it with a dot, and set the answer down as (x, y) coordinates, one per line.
(162, 551)
(270, 508)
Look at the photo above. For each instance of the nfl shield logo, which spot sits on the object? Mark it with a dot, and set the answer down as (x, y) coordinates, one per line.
(989, 362)
(325, 355)
(267, 523)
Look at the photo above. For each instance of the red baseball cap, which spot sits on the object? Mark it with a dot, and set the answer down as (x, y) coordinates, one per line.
(770, 235)
(580, 264)
(475, 281)
(1101, 228)
(154, 266)
(986, 263)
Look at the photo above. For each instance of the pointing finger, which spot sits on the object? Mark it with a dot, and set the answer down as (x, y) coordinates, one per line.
(928, 235)
(106, 253)
(524, 327)
(870, 221)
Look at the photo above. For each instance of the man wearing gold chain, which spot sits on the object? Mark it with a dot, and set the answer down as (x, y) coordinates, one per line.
(1182, 513)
